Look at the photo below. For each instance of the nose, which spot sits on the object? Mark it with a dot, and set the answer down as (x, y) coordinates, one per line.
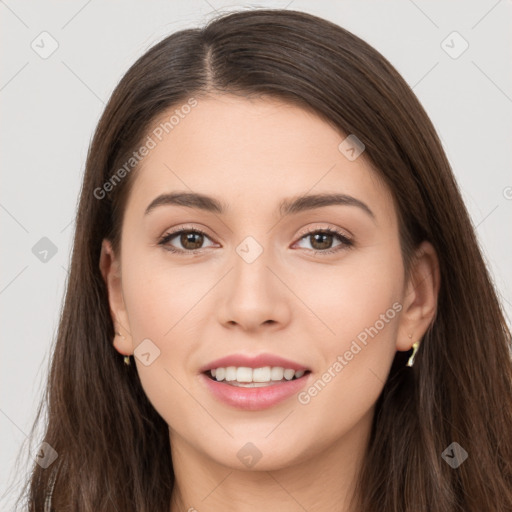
(253, 296)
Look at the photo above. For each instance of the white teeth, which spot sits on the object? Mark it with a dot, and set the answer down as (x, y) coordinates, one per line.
(288, 374)
(230, 373)
(247, 375)
(244, 374)
(277, 373)
(261, 374)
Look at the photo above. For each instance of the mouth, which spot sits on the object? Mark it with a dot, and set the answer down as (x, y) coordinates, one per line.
(246, 377)
(254, 389)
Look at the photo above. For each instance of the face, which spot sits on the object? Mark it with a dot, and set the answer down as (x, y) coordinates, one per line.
(320, 285)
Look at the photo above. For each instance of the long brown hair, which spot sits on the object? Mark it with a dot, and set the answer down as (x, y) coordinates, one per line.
(113, 447)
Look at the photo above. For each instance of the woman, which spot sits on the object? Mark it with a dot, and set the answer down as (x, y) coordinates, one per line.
(276, 298)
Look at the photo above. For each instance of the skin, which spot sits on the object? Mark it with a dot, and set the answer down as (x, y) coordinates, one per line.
(303, 306)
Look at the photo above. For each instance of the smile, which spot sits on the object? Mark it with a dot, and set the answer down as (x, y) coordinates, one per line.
(243, 376)
(256, 390)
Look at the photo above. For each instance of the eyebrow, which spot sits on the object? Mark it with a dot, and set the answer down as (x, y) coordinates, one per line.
(286, 207)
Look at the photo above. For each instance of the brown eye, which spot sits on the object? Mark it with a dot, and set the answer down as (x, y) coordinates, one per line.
(190, 240)
(321, 241)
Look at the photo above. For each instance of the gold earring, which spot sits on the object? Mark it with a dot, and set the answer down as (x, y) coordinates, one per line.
(415, 347)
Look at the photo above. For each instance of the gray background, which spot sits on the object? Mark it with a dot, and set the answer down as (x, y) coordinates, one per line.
(50, 107)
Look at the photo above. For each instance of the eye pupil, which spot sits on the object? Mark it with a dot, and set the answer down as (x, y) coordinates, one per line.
(324, 244)
(189, 237)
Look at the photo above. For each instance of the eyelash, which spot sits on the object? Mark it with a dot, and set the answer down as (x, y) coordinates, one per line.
(347, 243)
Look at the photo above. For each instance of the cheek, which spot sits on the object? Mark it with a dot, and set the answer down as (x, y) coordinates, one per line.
(359, 308)
(163, 304)
(161, 297)
(351, 297)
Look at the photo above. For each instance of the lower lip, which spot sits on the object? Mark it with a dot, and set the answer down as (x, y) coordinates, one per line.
(254, 399)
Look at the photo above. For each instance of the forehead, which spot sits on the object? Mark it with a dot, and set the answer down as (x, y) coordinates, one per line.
(251, 154)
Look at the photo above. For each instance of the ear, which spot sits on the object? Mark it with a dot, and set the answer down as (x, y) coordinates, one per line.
(110, 268)
(420, 297)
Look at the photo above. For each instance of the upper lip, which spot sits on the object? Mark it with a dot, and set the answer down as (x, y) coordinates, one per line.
(255, 361)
